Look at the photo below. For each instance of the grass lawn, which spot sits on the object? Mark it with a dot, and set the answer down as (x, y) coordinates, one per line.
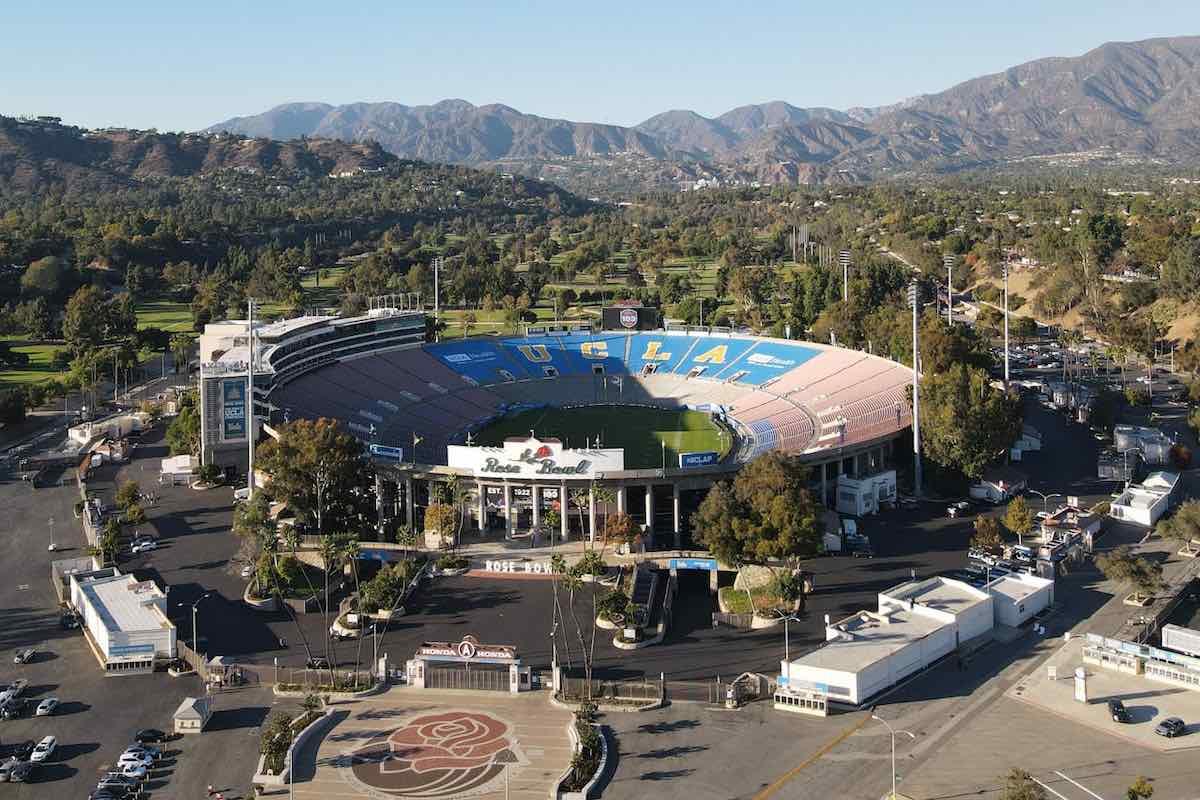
(40, 366)
(165, 314)
(738, 602)
(639, 431)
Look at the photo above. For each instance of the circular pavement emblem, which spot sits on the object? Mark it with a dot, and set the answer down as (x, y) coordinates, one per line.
(445, 755)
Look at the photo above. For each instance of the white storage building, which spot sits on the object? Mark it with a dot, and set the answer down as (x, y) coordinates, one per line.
(1144, 503)
(1017, 596)
(862, 496)
(916, 624)
(125, 619)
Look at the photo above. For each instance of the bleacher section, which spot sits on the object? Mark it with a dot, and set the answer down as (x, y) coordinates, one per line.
(791, 396)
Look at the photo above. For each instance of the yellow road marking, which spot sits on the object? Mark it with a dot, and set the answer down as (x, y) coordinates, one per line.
(806, 763)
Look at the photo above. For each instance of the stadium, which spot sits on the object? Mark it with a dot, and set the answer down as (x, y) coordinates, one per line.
(643, 421)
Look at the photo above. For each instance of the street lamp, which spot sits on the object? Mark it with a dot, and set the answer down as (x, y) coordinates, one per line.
(893, 732)
(787, 657)
(195, 635)
(1045, 498)
(1125, 456)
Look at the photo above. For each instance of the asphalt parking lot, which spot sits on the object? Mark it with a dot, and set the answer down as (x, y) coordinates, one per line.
(99, 714)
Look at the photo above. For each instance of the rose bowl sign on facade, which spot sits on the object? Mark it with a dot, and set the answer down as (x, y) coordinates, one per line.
(535, 458)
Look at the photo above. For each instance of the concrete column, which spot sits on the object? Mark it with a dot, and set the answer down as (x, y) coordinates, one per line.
(591, 515)
(508, 520)
(650, 509)
(621, 500)
(481, 506)
(535, 492)
(563, 523)
(824, 494)
(408, 501)
(675, 517)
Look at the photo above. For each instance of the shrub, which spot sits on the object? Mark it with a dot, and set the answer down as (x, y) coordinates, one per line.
(276, 739)
(209, 473)
(452, 561)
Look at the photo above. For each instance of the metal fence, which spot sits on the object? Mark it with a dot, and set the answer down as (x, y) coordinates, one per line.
(319, 678)
(742, 621)
(617, 691)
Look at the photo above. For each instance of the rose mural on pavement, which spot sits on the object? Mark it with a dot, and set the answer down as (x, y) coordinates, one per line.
(444, 755)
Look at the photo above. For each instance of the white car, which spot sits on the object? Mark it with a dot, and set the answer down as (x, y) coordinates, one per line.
(45, 748)
(247, 571)
(144, 546)
(139, 757)
(46, 707)
(130, 770)
(241, 494)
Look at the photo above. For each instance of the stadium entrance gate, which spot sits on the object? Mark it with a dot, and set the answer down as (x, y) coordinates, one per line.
(468, 665)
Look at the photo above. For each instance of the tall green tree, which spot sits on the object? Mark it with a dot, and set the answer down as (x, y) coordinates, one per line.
(966, 423)
(317, 460)
(85, 319)
(1018, 517)
(765, 513)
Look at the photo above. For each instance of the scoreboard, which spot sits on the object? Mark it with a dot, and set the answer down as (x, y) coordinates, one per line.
(630, 318)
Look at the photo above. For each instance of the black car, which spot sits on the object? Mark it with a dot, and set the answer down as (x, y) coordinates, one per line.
(1171, 727)
(14, 708)
(149, 736)
(68, 621)
(317, 662)
(1117, 710)
(21, 773)
(22, 750)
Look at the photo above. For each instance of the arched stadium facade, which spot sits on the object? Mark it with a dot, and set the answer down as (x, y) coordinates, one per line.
(419, 405)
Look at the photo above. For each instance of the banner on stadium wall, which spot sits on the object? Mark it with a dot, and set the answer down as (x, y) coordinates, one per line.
(384, 451)
(700, 459)
(233, 405)
(535, 458)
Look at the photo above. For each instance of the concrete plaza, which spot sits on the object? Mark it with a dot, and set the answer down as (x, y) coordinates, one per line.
(1148, 702)
(440, 744)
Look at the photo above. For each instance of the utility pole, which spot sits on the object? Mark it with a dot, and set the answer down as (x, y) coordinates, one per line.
(914, 292)
(948, 260)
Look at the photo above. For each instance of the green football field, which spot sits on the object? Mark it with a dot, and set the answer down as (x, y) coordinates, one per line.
(640, 432)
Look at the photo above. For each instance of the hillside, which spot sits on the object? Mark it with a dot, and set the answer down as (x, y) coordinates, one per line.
(1123, 102)
(38, 155)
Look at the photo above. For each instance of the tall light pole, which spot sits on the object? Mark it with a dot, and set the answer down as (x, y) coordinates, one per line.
(1006, 325)
(52, 546)
(844, 260)
(437, 297)
(195, 635)
(915, 299)
(250, 404)
(893, 732)
(948, 260)
(787, 651)
(1045, 498)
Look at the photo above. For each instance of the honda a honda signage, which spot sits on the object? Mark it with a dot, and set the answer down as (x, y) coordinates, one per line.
(536, 458)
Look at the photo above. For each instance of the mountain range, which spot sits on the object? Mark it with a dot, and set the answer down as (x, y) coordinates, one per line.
(1132, 101)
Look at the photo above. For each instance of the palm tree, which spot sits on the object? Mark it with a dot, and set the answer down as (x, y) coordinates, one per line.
(329, 560)
(605, 496)
(348, 553)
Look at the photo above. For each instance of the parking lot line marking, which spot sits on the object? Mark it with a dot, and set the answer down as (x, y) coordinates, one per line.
(786, 777)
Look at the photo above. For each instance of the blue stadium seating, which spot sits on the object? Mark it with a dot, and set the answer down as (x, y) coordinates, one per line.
(767, 360)
(481, 360)
(536, 353)
(713, 353)
(587, 350)
(663, 350)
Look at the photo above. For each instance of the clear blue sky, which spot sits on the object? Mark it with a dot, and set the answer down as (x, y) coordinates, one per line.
(182, 66)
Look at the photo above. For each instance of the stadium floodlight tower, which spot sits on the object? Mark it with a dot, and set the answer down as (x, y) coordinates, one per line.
(948, 260)
(250, 402)
(844, 260)
(914, 298)
(1005, 325)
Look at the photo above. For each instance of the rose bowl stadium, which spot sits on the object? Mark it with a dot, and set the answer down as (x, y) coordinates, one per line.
(640, 421)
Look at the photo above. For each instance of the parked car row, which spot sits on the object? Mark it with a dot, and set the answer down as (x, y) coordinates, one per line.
(131, 769)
